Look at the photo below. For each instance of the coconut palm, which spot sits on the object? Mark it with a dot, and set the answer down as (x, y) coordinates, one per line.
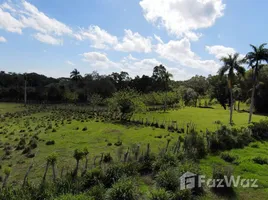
(75, 75)
(255, 59)
(231, 63)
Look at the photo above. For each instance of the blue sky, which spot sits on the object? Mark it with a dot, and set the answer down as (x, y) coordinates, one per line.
(187, 36)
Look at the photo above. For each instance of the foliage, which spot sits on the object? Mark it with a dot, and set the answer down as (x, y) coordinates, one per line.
(124, 189)
(126, 102)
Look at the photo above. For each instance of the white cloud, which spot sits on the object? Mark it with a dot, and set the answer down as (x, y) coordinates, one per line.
(2, 39)
(220, 51)
(37, 20)
(48, 39)
(182, 17)
(180, 52)
(6, 6)
(99, 37)
(69, 63)
(158, 39)
(99, 61)
(9, 23)
(134, 42)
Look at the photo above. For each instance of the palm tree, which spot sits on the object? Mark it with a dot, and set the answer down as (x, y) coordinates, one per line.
(255, 59)
(75, 75)
(230, 65)
(167, 77)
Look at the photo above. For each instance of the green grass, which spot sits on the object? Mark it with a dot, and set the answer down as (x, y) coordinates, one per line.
(203, 118)
(10, 107)
(99, 134)
(245, 168)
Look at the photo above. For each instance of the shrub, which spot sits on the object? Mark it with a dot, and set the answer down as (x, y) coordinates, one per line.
(74, 197)
(183, 194)
(255, 146)
(260, 160)
(97, 192)
(116, 171)
(165, 161)
(168, 179)
(194, 145)
(107, 158)
(84, 129)
(228, 157)
(220, 174)
(160, 194)
(260, 130)
(51, 142)
(33, 143)
(92, 178)
(123, 189)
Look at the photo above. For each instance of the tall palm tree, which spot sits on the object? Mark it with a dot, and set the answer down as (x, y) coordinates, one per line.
(167, 77)
(255, 59)
(231, 63)
(75, 75)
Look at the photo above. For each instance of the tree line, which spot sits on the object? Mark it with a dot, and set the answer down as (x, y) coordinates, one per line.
(239, 80)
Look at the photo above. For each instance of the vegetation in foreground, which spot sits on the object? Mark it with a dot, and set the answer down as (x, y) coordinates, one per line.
(146, 171)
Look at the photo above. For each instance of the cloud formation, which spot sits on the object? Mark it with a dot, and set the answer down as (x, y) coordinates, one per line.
(182, 17)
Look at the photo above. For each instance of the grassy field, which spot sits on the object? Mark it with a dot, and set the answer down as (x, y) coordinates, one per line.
(100, 137)
(203, 118)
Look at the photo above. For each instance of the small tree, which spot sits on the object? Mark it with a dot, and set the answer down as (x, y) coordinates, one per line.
(78, 155)
(52, 160)
(127, 102)
(95, 100)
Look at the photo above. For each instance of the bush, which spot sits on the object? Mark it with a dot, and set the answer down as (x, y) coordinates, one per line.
(228, 157)
(97, 192)
(260, 130)
(51, 142)
(74, 197)
(183, 194)
(194, 145)
(107, 158)
(124, 189)
(117, 171)
(84, 129)
(92, 178)
(165, 161)
(220, 173)
(160, 194)
(168, 179)
(260, 160)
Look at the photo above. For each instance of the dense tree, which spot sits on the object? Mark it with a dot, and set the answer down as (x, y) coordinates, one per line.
(255, 60)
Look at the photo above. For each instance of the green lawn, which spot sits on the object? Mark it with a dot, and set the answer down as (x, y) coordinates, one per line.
(203, 118)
